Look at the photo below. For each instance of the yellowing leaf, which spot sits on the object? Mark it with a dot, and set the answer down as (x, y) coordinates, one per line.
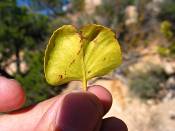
(80, 55)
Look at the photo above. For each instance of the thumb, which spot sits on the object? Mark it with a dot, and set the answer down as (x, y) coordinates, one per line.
(73, 112)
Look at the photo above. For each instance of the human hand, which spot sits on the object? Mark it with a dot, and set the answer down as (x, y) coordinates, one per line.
(78, 111)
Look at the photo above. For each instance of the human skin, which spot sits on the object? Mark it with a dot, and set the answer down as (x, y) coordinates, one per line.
(77, 111)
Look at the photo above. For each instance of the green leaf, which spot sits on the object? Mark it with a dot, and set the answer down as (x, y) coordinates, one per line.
(80, 55)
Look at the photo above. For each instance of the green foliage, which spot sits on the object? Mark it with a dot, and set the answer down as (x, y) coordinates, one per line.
(51, 7)
(33, 81)
(56, 7)
(20, 29)
(146, 85)
(78, 5)
(163, 51)
(167, 51)
(62, 20)
(172, 48)
(113, 11)
(166, 29)
(110, 11)
(168, 11)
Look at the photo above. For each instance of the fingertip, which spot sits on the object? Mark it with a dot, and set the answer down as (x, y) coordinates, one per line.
(103, 95)
(12, 95)
(79, 111)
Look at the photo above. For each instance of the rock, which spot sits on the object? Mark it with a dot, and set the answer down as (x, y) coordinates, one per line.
(170, 83)
(169, 68)
(90, 5)
(131, 15)
(172, 115)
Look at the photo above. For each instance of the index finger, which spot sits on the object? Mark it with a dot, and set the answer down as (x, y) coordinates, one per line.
(12, 95)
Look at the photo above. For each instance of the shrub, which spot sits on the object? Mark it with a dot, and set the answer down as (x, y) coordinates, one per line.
(166, 29)
(147, 84)
(168, 10)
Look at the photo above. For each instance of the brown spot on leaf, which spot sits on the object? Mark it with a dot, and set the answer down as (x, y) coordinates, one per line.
(78, 52)
(89, 72)
(82, 36)
(81, 46)
(104, 59)
(72, 62)
(61, 76)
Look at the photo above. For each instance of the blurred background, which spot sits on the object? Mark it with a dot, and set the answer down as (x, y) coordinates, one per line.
(143, 87)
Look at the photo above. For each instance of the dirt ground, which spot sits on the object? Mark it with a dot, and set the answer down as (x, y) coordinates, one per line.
(141, 116)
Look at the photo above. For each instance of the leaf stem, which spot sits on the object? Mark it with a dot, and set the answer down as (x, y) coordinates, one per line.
(84, 83)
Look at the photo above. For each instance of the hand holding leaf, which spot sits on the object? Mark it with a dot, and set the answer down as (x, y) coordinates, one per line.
(80, 55)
